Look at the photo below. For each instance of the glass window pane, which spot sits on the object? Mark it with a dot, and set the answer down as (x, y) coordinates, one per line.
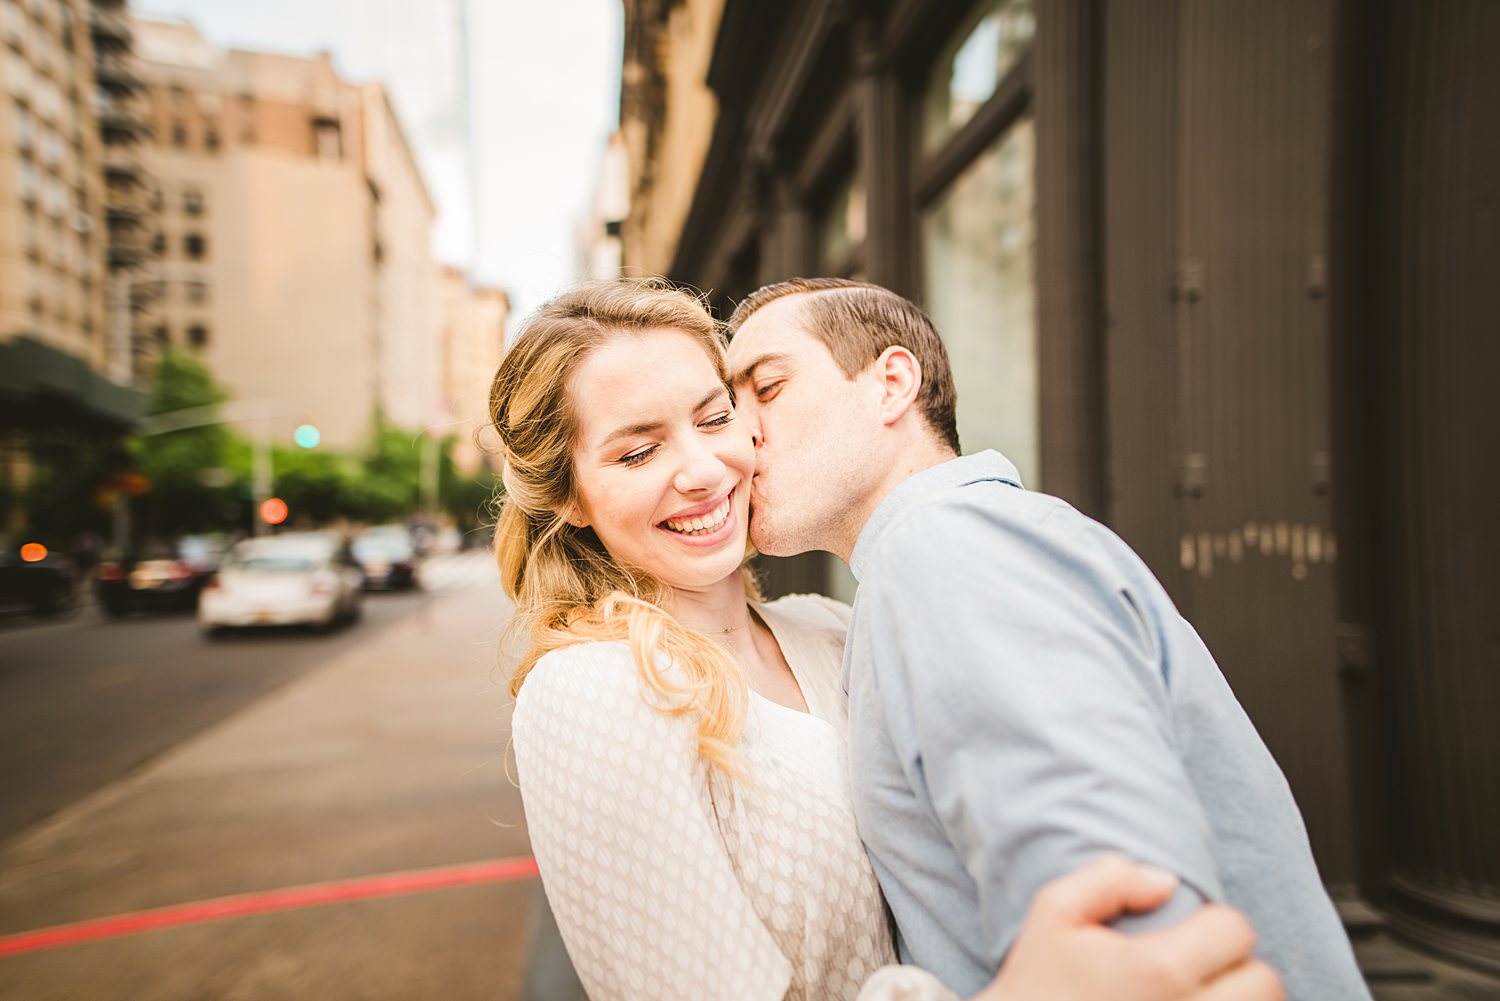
(977, 248)
(841, 225)
(972, 66)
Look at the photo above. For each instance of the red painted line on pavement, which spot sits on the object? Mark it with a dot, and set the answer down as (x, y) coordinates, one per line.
(291, 898)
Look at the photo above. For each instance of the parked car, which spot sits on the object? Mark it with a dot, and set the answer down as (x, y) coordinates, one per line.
(387, 557)
(160, 575)
(35, 578)
(302, 578)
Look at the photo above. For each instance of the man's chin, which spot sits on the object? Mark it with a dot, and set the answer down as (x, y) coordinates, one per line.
(762, 538)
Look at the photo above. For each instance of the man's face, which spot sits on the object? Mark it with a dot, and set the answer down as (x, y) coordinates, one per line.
(815, 431)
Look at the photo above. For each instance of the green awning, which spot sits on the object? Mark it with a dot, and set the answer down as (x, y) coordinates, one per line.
(39, 378)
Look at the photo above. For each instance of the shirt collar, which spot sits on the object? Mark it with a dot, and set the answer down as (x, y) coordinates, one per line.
(986, 465)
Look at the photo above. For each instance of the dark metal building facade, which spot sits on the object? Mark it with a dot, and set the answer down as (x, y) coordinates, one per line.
(1255, 247)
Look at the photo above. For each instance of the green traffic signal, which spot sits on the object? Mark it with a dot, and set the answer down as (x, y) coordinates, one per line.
(307, 436)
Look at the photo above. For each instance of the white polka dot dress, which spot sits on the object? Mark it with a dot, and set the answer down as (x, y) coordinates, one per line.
(669, 882)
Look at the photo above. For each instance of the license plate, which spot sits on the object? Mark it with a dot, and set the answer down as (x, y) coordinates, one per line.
(265, 616)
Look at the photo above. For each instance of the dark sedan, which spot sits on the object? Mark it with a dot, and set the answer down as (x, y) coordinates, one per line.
(160, 576)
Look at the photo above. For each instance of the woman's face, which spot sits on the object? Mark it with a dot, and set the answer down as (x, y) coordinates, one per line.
(662, 467)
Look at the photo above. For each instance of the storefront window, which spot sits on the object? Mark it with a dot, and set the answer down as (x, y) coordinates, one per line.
(971, 68)
(841, 225)
(978, 237)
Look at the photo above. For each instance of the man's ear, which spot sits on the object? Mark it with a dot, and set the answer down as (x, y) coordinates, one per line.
(900, 381)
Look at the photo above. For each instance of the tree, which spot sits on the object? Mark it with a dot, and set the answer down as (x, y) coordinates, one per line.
(179, 497)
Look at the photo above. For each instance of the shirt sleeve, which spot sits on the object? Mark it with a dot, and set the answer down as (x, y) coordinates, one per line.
(1021, 685)
(621, 823)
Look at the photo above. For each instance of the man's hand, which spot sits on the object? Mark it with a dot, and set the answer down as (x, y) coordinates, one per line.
(1066, 953)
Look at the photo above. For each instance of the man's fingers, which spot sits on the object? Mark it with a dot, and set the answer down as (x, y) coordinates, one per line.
(1104, 889)
(1205, 945)
(1253, 981)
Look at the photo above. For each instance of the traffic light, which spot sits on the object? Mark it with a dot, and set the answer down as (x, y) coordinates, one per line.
(273, 510)
(307, 435)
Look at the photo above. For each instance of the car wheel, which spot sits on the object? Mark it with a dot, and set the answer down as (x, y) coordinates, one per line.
(213, 633)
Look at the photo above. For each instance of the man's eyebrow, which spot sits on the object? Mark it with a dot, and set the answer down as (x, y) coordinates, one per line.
(745, 374)
(631, 430)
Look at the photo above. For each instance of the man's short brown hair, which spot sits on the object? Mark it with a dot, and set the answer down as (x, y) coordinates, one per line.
(856, 321)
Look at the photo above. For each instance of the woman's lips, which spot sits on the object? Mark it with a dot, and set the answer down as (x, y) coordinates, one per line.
(715, 538)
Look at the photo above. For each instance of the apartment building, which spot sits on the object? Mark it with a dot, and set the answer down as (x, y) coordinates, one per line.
(293, 234)
(474, 318)
(63, 377)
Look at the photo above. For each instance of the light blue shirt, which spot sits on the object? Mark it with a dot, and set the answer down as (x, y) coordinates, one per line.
(1023, 696)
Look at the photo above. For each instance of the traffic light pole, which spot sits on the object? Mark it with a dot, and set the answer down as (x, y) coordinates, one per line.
(262, 475)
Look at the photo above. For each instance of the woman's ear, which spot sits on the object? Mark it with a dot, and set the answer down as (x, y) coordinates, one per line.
(573, 515)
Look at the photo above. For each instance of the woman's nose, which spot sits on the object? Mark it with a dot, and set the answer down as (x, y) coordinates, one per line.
(702, 469)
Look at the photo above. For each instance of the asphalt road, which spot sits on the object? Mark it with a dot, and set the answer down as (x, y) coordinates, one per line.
(86, 700)
(327, 780)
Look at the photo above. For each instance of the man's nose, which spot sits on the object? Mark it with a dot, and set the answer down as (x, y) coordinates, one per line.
(751, 418)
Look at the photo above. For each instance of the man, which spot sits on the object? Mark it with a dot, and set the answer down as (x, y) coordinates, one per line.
(1023, 694)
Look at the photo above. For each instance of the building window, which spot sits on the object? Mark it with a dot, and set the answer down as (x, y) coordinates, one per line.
(194, 246)
(192, 201)
(969, 70)
(179, 98)
(179, 135)
(247, 118)
(327, 142)
(197, 335)
(211, 139)
(159, 244)
(160, 336)
(197, 292)
(977, 240)
(841, 227)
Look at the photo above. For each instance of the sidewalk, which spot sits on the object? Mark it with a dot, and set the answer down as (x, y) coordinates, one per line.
(388, 759)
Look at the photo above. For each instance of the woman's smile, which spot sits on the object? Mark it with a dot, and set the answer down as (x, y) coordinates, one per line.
(704, 525)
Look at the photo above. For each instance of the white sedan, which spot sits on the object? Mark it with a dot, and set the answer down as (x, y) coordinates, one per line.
(305, 578)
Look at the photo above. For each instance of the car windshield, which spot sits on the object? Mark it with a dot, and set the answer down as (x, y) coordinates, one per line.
(275, 563)
(380, 545)
(277, 557)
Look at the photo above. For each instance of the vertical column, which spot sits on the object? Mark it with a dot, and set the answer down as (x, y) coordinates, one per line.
(882, 116)
(1069, 319)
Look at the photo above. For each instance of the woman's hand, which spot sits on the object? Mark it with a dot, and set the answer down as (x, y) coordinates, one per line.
(1065, 953)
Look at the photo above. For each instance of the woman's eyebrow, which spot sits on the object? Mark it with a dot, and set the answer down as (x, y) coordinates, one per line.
(631, 430)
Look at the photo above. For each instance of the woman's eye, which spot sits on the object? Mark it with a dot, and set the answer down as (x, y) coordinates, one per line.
(719, 421)
(768, 391)
(637, 457)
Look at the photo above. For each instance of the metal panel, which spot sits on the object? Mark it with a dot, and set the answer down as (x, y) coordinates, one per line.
(1252, 135)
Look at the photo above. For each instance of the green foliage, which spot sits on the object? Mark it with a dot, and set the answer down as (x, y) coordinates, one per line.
(320, 486)
(175, 463)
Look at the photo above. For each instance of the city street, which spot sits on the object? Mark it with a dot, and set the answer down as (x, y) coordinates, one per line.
(149, 770)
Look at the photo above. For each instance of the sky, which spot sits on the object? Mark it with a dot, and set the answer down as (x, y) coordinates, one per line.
(511, 173)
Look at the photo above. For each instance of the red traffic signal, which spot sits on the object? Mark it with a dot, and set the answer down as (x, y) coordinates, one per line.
(273, 510)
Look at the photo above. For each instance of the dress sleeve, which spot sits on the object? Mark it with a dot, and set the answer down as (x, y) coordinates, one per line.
(621, 822)
(904, 983)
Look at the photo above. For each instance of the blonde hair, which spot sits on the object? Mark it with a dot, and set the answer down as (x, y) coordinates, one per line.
(566, 586)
